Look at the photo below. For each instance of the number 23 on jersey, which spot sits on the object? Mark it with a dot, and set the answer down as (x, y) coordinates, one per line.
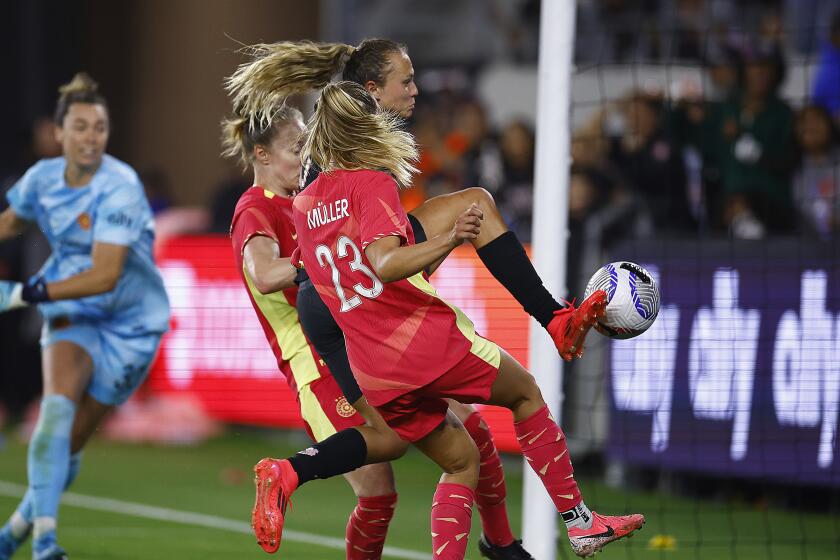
(343, 247)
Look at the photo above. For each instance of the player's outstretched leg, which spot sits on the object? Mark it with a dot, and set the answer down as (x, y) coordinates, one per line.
(544, 446)
(505, 258)
(570, 325)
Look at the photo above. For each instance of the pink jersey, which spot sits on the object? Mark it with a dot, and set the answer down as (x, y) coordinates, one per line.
(261, 212)
(400, 336)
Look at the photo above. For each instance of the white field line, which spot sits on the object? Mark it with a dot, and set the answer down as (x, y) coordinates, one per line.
(190, 518)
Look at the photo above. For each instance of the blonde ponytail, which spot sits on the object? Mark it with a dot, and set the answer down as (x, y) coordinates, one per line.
(280, 70)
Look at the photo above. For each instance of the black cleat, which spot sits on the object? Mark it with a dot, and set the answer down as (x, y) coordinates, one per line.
(513, 551)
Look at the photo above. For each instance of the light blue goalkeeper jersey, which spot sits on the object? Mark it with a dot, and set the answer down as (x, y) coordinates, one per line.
(112, 208)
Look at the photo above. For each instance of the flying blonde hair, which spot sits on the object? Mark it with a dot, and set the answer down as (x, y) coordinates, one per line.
(280, 70)
(348, 132)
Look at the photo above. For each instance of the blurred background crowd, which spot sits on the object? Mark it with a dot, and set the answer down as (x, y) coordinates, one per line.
(690, 117)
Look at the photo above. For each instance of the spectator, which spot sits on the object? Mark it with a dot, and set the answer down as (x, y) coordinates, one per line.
(478, 148)
(516, 195)
(722, 64)
(826, 89)
(652, 163)
(437, 163)
(751, 143)
(817, 180)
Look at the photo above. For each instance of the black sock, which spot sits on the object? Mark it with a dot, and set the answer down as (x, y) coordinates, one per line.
(507, 261)
(338, 454)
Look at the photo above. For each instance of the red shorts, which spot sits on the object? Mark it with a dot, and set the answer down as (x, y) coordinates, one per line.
(325, 410)
(414, 415)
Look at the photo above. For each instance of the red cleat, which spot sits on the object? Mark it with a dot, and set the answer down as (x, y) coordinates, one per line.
(570, 325)
(275, 480)
(605, 529)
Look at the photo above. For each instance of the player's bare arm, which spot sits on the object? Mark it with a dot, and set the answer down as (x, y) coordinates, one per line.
(392, 262)
(268, 270)
(108, 261)
(11, 224)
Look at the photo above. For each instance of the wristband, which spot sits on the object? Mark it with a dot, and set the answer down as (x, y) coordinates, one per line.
(35, 292)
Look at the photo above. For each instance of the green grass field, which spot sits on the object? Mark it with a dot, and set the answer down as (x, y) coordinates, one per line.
(214, 480)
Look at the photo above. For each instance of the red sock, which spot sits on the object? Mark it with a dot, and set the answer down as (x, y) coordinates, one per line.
(544, 446)
(451, 521)
(491, 492)
(368, 526)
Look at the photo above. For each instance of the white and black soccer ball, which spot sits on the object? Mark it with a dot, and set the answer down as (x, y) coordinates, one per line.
(632, 299)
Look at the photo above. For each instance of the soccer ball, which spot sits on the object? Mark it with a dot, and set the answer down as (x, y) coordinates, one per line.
(632, 299)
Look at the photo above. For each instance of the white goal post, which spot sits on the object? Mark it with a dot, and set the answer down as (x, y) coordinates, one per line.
(550, 226)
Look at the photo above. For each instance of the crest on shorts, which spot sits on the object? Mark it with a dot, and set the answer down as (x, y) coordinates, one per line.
(344, 408)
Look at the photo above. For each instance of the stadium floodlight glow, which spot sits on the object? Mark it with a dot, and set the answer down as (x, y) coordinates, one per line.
(549, 236)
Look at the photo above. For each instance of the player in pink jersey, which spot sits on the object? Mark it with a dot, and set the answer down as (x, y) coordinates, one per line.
(385, 65)
(408, 348)
(263, 239)
(385, 70)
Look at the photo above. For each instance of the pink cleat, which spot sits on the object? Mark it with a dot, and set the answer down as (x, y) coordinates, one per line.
(275, 480)
(570, 325)
(604, 530)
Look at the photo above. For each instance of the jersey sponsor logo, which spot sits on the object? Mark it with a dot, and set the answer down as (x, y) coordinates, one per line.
(84, 220)
(120, 219)
(344, 408)
(324, 214)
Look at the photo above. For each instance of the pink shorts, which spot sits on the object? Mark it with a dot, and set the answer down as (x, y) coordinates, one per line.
(414, 415)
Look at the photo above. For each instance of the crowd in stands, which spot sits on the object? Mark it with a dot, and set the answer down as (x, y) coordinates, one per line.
(737, 159)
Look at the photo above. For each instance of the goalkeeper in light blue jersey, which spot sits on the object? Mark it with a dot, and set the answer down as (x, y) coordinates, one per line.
(102, 298)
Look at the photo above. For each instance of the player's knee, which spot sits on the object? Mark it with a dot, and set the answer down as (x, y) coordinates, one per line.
(386, 446)
(481, 197)
(462, 411)
(531, 390)
(374, 480)
(463, 460)
(529, 396)
(396, 447)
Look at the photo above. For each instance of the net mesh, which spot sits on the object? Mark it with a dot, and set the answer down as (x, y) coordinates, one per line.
(705, 149)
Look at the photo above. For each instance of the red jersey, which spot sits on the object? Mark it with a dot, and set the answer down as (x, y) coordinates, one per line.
(400, 336)
(261, 212)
